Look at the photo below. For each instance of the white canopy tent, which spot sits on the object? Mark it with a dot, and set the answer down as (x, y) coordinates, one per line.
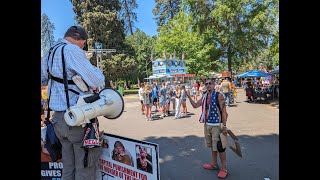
(215, 74)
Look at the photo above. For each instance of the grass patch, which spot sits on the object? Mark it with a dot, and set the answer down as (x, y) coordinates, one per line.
(130, 91)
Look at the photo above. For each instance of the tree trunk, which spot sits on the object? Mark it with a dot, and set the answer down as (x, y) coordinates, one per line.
(128, 16)
(229, 59)
(138, 82)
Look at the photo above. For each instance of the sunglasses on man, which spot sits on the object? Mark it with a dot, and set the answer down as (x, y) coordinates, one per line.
(209, 83)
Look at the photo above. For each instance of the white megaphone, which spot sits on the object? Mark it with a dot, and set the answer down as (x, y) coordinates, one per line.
(108, 103)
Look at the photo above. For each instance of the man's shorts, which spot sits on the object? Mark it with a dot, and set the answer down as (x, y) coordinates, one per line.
(212, 136)
(155, 100)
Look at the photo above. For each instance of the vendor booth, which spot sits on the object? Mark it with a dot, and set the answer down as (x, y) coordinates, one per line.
(169, 69)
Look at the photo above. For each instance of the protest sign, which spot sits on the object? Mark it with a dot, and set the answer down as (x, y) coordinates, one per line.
(128, 159)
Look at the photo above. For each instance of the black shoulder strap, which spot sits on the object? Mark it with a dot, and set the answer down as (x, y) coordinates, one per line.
(65, 79)
(57, 45)
(49, 93)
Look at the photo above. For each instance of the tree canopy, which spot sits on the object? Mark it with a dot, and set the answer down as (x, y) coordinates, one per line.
(47, 37)
(213, 35)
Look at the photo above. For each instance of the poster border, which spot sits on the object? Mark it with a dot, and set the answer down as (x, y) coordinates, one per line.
(144, 142)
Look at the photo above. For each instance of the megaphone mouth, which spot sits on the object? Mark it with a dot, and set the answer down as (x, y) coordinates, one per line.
(122, 108)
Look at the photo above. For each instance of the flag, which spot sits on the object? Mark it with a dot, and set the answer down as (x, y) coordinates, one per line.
(174, 54)
(151, 57)
(182, 55)
(164, 55)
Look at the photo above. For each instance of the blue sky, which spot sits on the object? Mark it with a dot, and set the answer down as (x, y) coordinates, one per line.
(62, 16)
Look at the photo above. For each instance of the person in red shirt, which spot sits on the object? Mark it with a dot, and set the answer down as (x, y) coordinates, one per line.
(197, 88)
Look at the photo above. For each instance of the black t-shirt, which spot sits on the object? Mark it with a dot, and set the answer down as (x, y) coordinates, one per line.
(248, 86)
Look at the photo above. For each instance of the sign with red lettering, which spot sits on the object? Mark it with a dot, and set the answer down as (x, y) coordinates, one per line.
(122, 158)
(128, 159)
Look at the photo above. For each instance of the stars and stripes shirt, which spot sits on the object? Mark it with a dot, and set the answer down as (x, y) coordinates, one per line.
(76, 63)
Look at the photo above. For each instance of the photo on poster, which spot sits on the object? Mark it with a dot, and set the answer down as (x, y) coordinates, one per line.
(129, 159)
(121, 154)
(169, 63)
(144, 158)
(155, 64)
(176, 63)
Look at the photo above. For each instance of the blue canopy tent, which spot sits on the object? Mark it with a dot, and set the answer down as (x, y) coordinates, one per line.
(242, 75)
(254, 73)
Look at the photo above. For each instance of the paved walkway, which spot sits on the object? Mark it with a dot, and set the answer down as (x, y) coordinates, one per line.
(181, 143)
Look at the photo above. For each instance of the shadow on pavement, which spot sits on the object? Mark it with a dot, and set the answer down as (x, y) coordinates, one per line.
(183, 157)
(233, 105)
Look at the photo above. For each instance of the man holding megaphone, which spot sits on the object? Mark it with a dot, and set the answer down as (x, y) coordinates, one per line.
(71, 79)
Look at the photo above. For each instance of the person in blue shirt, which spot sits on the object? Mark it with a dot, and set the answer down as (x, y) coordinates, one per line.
(163, 99)
(235, 81)
(155, 92)
(75, 166)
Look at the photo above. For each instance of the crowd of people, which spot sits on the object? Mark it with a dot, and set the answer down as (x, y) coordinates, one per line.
(162, 97)
(260, 87)
(170, 99)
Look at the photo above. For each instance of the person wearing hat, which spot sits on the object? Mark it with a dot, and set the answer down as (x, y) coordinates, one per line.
(214, 117)
(77, 163)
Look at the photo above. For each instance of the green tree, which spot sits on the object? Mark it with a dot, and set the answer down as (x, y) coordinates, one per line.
(142, 45)
(200, 52)
(102, 21)
(239, 27)
(128, 14)
(120, 67)
(166, 10)
(47, 37)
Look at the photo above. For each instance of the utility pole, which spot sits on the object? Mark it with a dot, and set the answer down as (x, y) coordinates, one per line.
(99, 51)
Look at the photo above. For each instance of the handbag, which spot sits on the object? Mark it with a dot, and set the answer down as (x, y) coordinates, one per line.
(52, 142)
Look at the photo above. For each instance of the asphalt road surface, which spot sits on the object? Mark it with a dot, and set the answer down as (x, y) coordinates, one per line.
(181, 142)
